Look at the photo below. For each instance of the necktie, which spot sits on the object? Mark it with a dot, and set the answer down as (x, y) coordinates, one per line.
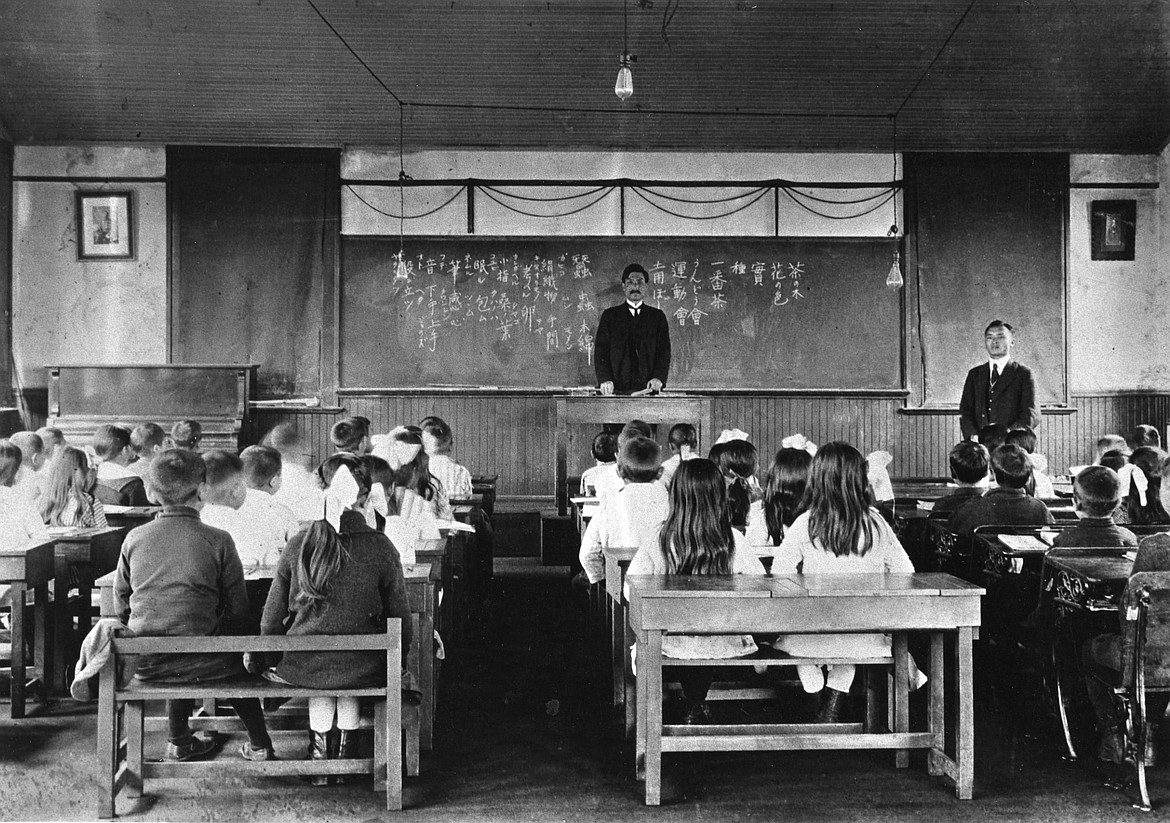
(994, 375)
(636, 311)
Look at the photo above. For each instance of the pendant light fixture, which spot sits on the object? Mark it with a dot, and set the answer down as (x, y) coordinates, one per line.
(624, 87)
(894, 276)
(400, 275)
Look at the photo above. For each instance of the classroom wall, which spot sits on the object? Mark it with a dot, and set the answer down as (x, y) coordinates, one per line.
(1117, 309)
(71, 311)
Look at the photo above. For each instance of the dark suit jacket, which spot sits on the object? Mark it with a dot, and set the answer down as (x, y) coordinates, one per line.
(125, 491)
(632, 351)
(1013, 403)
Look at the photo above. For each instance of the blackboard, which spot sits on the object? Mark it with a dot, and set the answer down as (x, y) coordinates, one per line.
(745, 312)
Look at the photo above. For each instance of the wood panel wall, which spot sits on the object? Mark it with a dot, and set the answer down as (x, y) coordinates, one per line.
(512, 435)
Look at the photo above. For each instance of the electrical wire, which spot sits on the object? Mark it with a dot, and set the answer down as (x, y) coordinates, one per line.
(503, 193)
(715, 200)
(590, 205)
(813, 197)
(449, 201)
(661, 208)
(870, 210)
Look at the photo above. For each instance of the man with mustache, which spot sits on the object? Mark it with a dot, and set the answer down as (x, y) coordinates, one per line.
(633, 341)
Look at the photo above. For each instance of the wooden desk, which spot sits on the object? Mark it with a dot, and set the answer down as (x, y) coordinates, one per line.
(933, 603)
(22, 568)
(130, 516)
(1089, 578)
(80, 555)
(574, 411)
(617, 560)
(422, 581)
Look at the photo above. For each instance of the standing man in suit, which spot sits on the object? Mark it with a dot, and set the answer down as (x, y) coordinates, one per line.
(1000, 390)
(633, 341)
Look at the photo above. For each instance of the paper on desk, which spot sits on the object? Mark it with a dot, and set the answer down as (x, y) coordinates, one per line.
(1022, 542)
(455, 526)
(925, 505)
(110, 508)
(1048, 535)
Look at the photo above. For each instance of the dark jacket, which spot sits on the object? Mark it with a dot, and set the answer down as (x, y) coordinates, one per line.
(367, 590)
(944, 507)
(630, 351)
(124, 491)
(1094, 531)
(177, 576)
(1013, 403)
(1000, 507)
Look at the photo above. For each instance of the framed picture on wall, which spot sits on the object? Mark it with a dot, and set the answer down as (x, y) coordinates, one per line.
(1113, 226)
(105, 225)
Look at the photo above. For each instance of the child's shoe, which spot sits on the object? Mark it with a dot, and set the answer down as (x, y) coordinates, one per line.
(346, 750)
(256, 753)
(831, 707)
(319, 750)
(697, 714)
(191, 747)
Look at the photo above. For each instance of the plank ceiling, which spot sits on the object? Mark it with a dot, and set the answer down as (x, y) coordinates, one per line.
(1083, 76)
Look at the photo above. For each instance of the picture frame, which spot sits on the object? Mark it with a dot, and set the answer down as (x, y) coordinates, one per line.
(1113, 229)
(105, 225)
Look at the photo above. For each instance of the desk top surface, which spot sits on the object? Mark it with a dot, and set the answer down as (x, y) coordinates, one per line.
(921, 584)
(1096, 568)
(73, 534)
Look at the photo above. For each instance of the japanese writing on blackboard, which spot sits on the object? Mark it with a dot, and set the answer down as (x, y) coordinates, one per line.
(551, 302)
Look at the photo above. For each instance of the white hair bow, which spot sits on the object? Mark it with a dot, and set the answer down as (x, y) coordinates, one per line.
(394, 451)
(342, 493)
(1133, 477)
(727, 435)
(879, 475)
(1039, 462)
(799, 441)
(377, 500)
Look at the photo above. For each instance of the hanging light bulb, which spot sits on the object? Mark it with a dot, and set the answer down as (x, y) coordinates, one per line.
(624, 87)
(400, 275)
(894, 278)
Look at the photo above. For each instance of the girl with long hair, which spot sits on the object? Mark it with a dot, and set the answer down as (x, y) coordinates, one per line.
(698, 539)
(840, 533)
(68, 496)
(339, 576)
(784, 490)
(736, 460)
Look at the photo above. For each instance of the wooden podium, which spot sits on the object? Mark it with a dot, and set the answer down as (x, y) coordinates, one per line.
(596, 409)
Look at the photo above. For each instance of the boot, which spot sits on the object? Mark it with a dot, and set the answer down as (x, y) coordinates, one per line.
(1111, 749)
(1150, 744)
(346, 750)
(831, 707)
(319, 750)
(697, 713)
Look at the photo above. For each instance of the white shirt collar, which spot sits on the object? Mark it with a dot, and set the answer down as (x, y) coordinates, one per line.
(1001, 362)
(112, 471)
(632, 306)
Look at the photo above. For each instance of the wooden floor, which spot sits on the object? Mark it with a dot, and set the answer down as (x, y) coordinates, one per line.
(523, 734)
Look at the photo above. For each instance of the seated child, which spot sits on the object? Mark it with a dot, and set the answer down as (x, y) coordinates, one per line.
(147, 441)
(1111, 442)
(68, 497)
(437, 441)
(969, 466)
(1143, 435)
(180, 577)
(736, 459)
(697, 539)
(1141, 484)
(1041, 485)
(262, 477)
(186, 434)
(631, 515)
(840, 533)
(337, 577)
(783, 495)
(351, 435)
(259, 532)
(299, 490)
(1097, 492)
(415, 500)
(1101, 656)
(993, 435)
(52, 439)
(1007, 505)
(30, 477)
(683, 441)
(1115, 459)
(117, 485)
(20, 522)
(604, 451)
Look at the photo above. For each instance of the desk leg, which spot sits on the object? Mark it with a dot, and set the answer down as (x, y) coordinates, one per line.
(937, 707)
(617, 622)
(652, 675)
(640, 714)
(965, 732)
(426, 660)
(19, 675)
(42, 639)
(901, 696)
(133, 721)
(62, 631)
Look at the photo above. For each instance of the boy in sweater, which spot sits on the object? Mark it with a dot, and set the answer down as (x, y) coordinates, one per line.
(1097, 492)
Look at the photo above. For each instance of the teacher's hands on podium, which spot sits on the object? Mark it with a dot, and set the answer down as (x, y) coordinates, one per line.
(607, 387)
(655, 385)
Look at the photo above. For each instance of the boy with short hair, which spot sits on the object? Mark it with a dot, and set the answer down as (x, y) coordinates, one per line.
(259, 530)
(683, 441)
(352, 435)
(634, 513)
(1111, 442)
(117, 485)
(610, 481)
(1144, 435)
(299, 490)
(180, 577)
(1097, 492)
(30, 475)
(186, 434)
(969, 466)
(604, 450)
(993, 435)
(53, 440)
(437, 442)
(147, 441)
(1007, 505)
(1041, 486)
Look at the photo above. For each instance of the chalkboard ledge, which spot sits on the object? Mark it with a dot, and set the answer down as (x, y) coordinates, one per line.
(559, 392)
(941, 411)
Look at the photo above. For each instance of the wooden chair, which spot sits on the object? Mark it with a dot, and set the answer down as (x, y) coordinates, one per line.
(1145, 663)
(120, 761)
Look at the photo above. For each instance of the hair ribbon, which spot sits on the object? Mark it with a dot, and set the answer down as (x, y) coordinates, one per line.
(396, 453)
(1132, 477)
(342, 493)
(799, 441)
(727, 435)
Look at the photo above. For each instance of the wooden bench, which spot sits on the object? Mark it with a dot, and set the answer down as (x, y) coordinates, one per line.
(937, 604)
(120, 761)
